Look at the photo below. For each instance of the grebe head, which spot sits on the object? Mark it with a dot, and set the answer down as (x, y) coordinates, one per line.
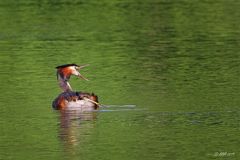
(64, 73)
(66, 70)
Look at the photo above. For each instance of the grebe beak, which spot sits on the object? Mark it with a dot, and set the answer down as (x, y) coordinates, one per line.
(80, 67)
(79, 74)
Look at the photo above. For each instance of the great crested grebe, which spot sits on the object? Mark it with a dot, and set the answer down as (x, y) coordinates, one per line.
(69, 99)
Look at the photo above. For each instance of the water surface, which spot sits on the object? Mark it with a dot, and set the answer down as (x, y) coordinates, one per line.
(168, 72)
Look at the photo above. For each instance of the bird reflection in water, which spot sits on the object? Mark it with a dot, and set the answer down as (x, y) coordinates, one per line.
(75, 126)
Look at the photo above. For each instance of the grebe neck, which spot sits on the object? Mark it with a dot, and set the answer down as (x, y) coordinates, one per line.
(63, 83)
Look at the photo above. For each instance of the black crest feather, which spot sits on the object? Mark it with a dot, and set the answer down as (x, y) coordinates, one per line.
(67, 65)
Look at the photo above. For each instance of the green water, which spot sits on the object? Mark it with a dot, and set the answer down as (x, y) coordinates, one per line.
(168, 70)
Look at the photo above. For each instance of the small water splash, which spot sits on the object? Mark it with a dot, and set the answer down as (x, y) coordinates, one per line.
(119, 108)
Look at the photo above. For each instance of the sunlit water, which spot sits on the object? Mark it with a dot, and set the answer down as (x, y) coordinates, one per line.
(166, 73)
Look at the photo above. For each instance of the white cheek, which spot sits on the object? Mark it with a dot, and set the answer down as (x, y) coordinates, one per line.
(74, 71)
